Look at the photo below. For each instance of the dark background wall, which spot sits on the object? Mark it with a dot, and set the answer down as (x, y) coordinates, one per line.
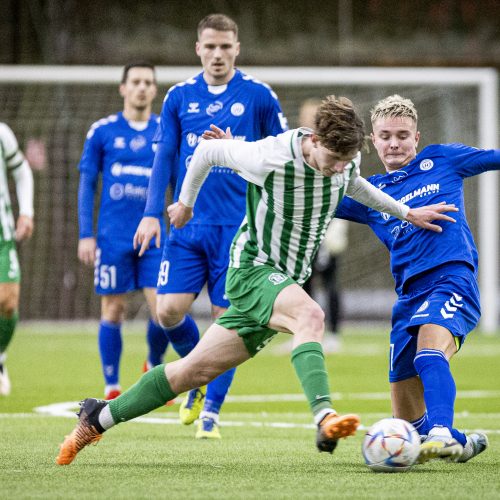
(345, 32)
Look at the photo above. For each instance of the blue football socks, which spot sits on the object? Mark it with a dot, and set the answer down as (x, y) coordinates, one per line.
(157, 343)
(183, 336)
(439, 386)
(110, 349)
(217, 390)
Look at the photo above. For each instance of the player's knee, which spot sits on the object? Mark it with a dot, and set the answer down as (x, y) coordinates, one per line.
(8, 307)
(113, 312)
(169, 313)
(312, 319)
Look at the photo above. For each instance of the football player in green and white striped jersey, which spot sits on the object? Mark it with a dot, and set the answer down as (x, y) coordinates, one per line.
(13, 163)
(295, 181)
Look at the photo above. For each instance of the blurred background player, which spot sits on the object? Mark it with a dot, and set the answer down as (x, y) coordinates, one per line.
(13, 164)
(325, 265)
(435, 274)
(120, 148)
(199, 253)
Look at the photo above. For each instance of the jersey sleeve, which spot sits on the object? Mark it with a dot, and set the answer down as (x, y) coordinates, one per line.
(167, 137)
(91, 160)
(246, 158)
(13, 155)
(352, 210)
(272, 118)
(367, 194)
(469, 161)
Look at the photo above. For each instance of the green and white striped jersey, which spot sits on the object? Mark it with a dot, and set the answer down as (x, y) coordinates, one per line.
(11, 158)
(289, 203)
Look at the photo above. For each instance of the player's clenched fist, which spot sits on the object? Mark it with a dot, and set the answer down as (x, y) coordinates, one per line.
(179, 214)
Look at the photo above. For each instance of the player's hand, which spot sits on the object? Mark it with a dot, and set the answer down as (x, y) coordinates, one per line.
(217, 133)
(24, 228)
(179, 214)
(148, 228)
(423, 216)
(86, 251)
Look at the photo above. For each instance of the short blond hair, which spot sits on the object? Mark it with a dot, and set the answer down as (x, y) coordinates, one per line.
(394, 106)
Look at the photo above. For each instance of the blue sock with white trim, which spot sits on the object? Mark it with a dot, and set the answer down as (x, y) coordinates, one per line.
(421, 424)
(439, 386)
(183, 336)
(110, 349)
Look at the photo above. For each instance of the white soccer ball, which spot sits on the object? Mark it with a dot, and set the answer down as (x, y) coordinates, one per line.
(391, 445)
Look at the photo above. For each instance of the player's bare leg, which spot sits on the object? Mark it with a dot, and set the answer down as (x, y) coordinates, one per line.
(295, 312)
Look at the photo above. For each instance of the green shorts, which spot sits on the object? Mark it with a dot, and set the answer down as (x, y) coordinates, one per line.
(9, 263)
(252, 292)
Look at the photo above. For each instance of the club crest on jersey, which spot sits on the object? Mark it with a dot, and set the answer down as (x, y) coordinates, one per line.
(116, 191)
(237, 109)
(426, 165)
(138, 142)
(398, 176)
(192, 139)
(194, 107)
(119, 143)
(276, 278)
(214, 108)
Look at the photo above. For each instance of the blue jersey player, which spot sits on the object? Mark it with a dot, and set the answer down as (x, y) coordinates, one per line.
(199, 253)
(120, 149)
(435, 274)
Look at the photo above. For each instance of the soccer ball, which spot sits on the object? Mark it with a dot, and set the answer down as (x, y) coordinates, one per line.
(391, 445)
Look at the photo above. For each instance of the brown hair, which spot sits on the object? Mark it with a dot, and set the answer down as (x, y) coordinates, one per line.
(338, 126)
(217, 22)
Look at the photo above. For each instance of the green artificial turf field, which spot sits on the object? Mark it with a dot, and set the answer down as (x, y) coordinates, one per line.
(267, 449)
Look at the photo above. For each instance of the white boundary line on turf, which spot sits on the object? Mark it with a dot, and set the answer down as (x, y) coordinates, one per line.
(67, 410)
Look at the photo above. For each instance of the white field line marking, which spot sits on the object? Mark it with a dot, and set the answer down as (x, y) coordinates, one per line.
(67, 410)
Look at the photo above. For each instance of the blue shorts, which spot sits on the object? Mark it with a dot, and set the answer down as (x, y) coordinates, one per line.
(195, 255)
(447, 296)
(118, 269)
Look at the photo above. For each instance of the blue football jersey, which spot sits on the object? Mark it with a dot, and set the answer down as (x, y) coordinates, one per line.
(435, 175)
(124, 156)
(252, 111)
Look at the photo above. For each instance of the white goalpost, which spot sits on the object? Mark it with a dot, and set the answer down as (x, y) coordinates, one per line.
(485, 80)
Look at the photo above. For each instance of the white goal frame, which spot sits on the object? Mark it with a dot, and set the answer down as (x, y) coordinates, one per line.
(485, 79)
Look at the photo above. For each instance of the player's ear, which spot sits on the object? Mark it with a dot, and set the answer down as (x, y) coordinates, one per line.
(197, 48)
(121, 89)
(237, 48)
(417, 137)
(372, 137)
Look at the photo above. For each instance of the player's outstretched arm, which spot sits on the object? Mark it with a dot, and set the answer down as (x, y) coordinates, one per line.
(424, 216)
(179, 214)
(148, 228)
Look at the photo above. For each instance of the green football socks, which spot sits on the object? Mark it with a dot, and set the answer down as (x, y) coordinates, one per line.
(151, 391)
(309, 363)
(7, 327)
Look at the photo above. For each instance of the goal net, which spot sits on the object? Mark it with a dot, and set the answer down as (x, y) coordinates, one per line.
(53, 107)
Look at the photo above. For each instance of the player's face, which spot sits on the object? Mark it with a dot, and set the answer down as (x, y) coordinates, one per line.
(396, 141)
(139, 90)
(218, 51)
(328, 162)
